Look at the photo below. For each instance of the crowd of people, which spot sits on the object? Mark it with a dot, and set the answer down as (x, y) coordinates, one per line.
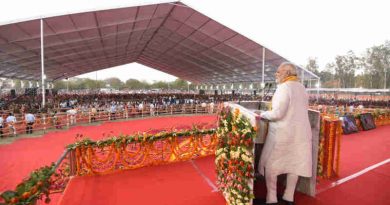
(354, 101)
(25, 107)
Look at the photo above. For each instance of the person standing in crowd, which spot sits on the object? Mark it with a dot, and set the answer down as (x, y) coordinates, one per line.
(140, 107)
(151, 106)
(1, 125)
(72, 115)
(56, 121)
(126, 110)
(11, 120)
(113, 110)
(30, 119)
(93, 113)
(211, 110)
(288, 146)
(350, 108)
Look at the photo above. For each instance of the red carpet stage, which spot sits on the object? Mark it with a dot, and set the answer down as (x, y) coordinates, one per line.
(193, 182)
(23, 156)
(173, 184)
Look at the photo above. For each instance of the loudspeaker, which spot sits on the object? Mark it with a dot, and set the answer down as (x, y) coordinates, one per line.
(30, 91)
(201, 92)
(254, 92)
(232, 92)
(215, 92)
(54, 92)
(46, 92)
(13, 93)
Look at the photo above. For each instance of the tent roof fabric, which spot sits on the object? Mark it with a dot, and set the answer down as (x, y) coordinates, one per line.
(170, 37)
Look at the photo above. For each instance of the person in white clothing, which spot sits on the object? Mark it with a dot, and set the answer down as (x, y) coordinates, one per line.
(151, 109)
(72, 115)
(288, 145)
(30, 119)
(11, 120)
(211, 110)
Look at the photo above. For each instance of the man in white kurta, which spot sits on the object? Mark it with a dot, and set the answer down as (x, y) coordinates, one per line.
(288, 146)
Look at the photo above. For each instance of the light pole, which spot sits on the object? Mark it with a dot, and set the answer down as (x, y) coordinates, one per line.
(96, 83)
(67, 85)
(385, 79)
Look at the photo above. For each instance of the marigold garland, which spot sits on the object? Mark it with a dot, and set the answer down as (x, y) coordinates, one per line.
(143, 149)
(329, 148)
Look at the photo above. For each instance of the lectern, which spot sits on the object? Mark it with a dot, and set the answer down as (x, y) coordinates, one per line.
(251, 110)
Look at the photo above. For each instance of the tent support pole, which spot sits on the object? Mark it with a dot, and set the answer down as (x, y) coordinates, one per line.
(42, 67)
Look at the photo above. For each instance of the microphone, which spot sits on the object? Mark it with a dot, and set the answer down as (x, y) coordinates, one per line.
(267, 88)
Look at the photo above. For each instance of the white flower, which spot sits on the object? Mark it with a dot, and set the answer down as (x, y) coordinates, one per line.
(219, 151)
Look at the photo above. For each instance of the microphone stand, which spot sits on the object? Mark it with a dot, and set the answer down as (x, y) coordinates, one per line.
(267, 85)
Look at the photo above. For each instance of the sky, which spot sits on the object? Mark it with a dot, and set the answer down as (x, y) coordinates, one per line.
(296, 29)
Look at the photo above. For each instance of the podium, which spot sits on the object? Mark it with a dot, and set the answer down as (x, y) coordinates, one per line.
(251, 110)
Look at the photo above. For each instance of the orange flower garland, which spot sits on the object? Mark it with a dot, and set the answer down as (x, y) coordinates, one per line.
(330, 145)
(149, 150)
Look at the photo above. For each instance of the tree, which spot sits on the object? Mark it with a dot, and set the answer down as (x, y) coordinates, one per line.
(377, 65)
(160, 84)
(115, 83)
(327, 79)
(312, 65)
(134, 84)
(60, 84)
(345, 67)
(328, 76)
(179, 84)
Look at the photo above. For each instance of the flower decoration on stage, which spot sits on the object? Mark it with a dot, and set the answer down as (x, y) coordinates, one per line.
(32, 189)
(234, 156)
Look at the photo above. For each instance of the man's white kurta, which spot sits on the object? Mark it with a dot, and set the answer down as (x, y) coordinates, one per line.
(288, 146)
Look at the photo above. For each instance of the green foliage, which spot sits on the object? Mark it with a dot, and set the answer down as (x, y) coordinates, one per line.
(134, 84)
(139, 138)
(31, 189)
(179, 84)
(116, 83)
(79, 83)
(370, 70)
(312, 66)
